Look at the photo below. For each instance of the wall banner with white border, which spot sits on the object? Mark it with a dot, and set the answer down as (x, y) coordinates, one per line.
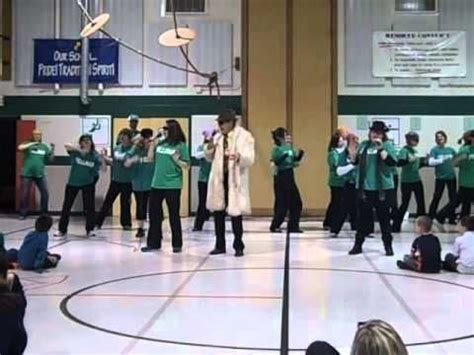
(433, 54)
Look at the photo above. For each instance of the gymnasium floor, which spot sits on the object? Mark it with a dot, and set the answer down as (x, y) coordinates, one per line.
(106, 298)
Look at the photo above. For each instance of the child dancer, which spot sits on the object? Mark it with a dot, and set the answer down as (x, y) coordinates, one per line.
(203, 213)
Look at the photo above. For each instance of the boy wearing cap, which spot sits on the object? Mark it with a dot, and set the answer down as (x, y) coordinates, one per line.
(410, 179)
(375, 158)
(232, 153)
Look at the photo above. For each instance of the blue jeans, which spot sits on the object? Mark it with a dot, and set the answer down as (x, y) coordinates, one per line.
(42, 185)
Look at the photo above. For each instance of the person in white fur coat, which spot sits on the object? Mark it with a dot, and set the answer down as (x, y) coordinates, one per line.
(232, 153)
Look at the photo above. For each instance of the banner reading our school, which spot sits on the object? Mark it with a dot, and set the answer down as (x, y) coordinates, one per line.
(59, 61)
(434, 54)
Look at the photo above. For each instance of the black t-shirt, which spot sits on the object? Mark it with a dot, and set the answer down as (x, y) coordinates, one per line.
(427, 250)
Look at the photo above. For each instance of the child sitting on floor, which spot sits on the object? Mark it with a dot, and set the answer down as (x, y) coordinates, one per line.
(33, 253)
(426, 249)
(462, 258)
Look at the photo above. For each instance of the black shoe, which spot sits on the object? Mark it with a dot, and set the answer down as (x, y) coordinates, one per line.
(333, 235)
(356, 249)
(388, 250)
(149, 249)
(402, 265)
(217, 251)
(276, 230)
(370, 236)
(195, 229)
(176, 250)
(239, 253)
(140, 233)
(127, 228)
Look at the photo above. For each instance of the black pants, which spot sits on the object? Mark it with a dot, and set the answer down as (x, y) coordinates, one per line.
(335, 203)
(219, 222)
(202, 212)
(438, 193)
(465, 198)
(347, 207)
(407, 189)
(125, 191)
(87, 202)
(173, 202)
(394, 200)
(288, 199)
(450, 263)
(141, 201)
(366, 205)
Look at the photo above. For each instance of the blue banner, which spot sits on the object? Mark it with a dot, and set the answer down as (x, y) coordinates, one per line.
(59, 61)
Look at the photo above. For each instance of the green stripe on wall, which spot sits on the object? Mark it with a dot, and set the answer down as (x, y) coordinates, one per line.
(119, 106)
(406, 105)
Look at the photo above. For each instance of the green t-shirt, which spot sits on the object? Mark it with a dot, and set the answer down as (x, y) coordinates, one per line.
(36, 157)
(119, 172)
(287, 163)
(336, 159)
(410, 171)
(204, 167)
(142, 173)
(168, 174)
(371, 171)
(466, 167)
(84, 168)
(444, 171)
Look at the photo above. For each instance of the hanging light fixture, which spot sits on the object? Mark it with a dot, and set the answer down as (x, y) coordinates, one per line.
(176, 37)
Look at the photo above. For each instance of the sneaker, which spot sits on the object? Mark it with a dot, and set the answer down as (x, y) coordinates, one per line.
(333, 235)
(59, 234)
(195, 229)
(140, 233)
(148, 249)
(357, 249)
(388, 250)
(276, 230)
(402, 265)
(177, 250)
(127, 228)
(239, 253)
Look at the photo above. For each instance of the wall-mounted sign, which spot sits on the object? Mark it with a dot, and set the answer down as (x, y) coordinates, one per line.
(59, 61)
(436, 54)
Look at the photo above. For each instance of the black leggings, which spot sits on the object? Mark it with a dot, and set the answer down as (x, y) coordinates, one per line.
(202, 214)
(87, 201)
(287, 198)
(366, 205)
(438, 193)
(407, 189)
(335, 204)
(125, 192)
(465, 198)
(348, 207)
(141, 201)
(173, 202)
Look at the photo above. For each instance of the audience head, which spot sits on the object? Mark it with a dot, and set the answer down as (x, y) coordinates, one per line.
(467, 138)
(466, 224)
(423, 225)
(3, 265)
(125, 137)
(133, 120)
(321, 348)
(441, 138)
(43, 223)
(86, 142)
(412, 139)
(175, 134)
(377, 337)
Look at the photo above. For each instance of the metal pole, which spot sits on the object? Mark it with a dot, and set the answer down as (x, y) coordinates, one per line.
(84, 92)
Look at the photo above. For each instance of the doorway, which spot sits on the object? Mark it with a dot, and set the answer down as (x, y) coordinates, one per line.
(8, 163)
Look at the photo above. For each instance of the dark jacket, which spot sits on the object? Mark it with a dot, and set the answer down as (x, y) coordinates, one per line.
(34, 251)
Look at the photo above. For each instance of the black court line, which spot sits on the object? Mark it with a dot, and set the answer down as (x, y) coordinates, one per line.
(19, 230)
(411, 313)
(154, 318)
(64, 306)
(285, 317)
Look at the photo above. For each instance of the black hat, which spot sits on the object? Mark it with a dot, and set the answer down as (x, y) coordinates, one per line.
(227, 116)
(321, 348)
(379, 126)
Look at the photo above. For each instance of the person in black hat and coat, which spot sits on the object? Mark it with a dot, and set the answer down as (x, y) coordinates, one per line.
(375, 159)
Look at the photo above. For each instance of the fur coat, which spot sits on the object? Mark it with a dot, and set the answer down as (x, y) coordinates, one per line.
(240, 143)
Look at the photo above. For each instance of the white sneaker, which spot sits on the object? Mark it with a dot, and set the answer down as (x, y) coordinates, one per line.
(58, 234)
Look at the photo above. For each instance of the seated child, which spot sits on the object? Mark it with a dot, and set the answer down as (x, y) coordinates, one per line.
(13, 336)
(33, 253)
(426, 249)
(462, 258)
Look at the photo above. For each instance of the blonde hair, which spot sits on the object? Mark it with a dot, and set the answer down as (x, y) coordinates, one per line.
(377, 337)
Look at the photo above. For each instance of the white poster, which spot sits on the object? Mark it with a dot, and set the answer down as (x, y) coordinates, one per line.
(434, 54)
(99, 128)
